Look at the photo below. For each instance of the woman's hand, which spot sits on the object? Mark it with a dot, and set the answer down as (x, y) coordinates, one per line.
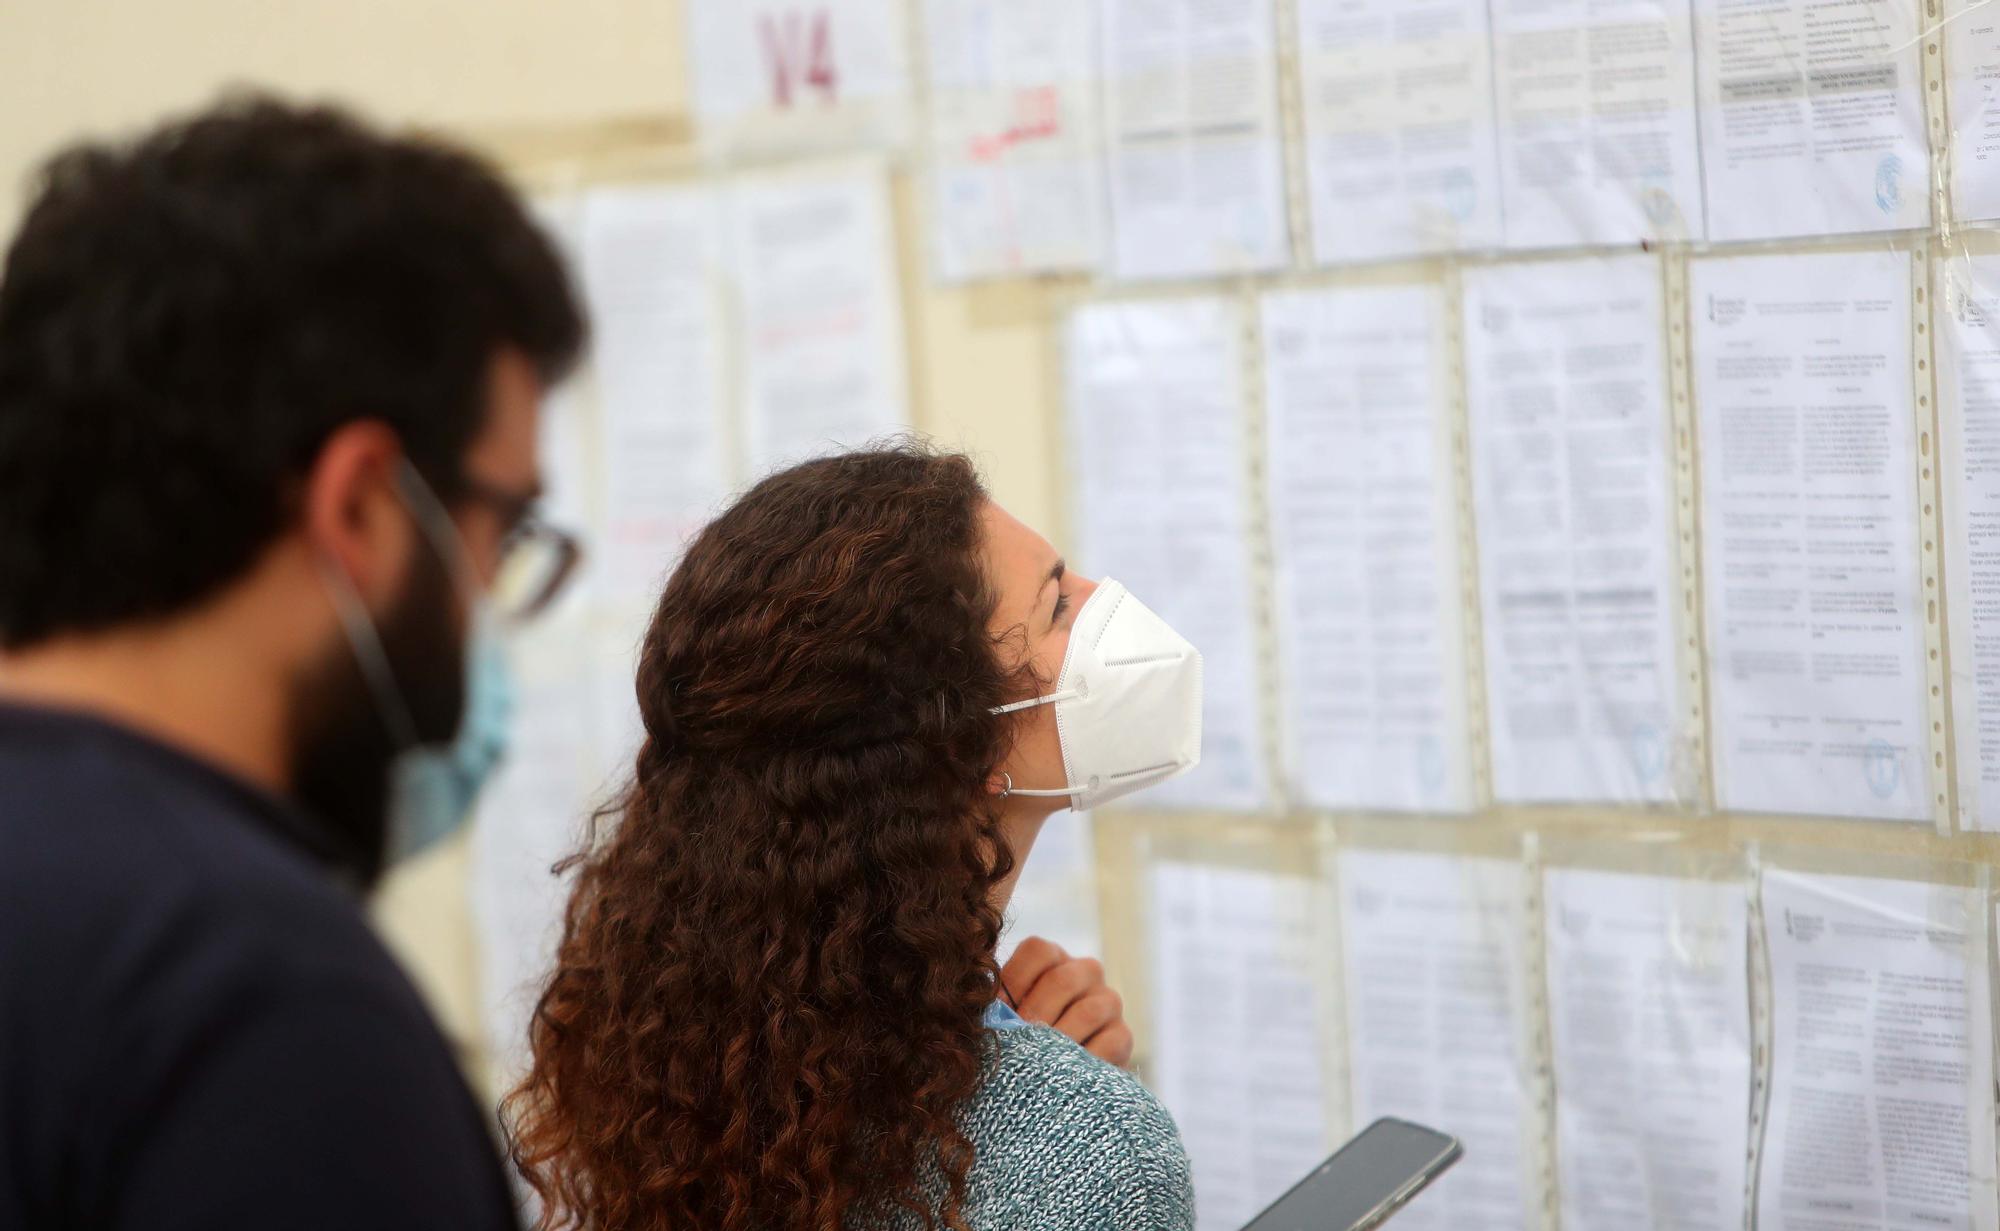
(1046, 985)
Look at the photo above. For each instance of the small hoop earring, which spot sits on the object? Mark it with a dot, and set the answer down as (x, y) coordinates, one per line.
(1007, 790)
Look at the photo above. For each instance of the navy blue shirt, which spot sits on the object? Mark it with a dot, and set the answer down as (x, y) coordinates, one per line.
(197, 1027)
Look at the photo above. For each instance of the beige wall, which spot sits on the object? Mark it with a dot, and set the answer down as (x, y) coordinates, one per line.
(84, 66)
(522, 78)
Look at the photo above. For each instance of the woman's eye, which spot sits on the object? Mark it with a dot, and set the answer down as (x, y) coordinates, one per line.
(1062, 605)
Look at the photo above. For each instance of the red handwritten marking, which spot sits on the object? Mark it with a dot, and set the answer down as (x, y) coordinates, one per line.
(1037, 117)
(798, 49)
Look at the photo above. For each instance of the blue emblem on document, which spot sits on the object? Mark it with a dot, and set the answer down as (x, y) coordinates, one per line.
(1889, 184)
(1649, 753)
(1661, 210)
(1461, 194)
(1883, 769)
(1431, 767)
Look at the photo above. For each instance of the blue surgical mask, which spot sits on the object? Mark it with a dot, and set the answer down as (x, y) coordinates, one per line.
(433, 789)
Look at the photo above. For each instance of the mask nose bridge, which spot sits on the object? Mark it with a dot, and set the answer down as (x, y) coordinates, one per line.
(1162, 768)
(1164, 656)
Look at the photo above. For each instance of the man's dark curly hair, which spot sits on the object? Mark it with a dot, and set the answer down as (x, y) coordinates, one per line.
(187, 317)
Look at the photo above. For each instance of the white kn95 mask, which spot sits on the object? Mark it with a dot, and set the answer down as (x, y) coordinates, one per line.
(1128, 701)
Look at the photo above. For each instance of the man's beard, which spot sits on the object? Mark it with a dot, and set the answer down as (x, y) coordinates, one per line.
(344, 742)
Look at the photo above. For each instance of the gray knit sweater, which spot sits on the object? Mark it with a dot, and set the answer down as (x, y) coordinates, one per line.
(1066, 1142)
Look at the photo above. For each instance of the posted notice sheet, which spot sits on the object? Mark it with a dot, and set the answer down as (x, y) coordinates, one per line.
(1565, 367)
(1881, 1056)
(1438, 1031)
(780, 76)
(1597, 121)
(1649, 1014)
(660, 353)
(568, 431)
(1398, 102)
(1364, 522)
(529, 818)
(1972, 67)
(815, 267)
(1809, 503)
(1236, 1029)
(1812, 117)
(1192, 136)
(1014, 174)
(1968, 352)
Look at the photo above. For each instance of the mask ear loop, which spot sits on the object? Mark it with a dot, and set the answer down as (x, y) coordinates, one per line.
(1030, 703)
(434, 520)
(1065, 695)
(370, 656)
(1063, 793)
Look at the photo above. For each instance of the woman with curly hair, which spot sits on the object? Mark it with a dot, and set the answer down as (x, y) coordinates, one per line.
(775, 1006)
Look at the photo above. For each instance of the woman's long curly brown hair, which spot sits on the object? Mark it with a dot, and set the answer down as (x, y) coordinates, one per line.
(766, 1009)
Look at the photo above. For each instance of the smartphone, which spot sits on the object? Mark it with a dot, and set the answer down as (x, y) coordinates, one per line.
(1368, 1179)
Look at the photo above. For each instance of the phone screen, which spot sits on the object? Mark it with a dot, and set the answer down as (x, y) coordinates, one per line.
(1389, 1161)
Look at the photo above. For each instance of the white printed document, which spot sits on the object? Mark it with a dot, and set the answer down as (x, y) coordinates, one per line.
(1968, 354)
(1015, 175)
(1972, 70)
(824, 367)
(1438, 1031)
(1649, 1014)
(1162, 503)
(569, 426)
(1565, 366)
(1810, 553)
(1192, 137)
(650, 272)
(617, 730)
(529, 818)
(1812, 117)
(1398, 104)
(1364, 522)
(1597, 121)
(793, 76)
(1236, 1032)
(1881, 1108)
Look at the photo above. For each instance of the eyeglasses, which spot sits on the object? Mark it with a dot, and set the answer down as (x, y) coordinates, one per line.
(537, 560)
(537, 563)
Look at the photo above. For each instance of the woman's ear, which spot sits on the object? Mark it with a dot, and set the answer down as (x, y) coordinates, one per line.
(1000, 785)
